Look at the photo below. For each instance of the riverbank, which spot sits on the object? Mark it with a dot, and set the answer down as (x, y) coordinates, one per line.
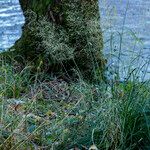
(44, 112)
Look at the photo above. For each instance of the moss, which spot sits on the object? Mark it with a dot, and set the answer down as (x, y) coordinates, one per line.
(76, 31)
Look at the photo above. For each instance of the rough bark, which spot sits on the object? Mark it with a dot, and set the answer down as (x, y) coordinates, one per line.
(68, 36)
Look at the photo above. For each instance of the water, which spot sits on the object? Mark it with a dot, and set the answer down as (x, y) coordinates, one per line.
(127, 22)
(132, 23)
(11, 21)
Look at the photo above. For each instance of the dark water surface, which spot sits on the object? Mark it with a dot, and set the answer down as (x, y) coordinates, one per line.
(123, 21)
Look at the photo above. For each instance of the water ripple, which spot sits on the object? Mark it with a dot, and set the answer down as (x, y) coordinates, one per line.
(11, 21)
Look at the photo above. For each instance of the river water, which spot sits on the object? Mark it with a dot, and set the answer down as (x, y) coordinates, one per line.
(11, 21)
(126, 30)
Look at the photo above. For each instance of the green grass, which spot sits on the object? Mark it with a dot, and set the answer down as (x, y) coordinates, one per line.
(53, 114)
(39, 111)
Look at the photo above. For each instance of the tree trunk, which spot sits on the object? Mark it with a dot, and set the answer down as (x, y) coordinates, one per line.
(63, 35)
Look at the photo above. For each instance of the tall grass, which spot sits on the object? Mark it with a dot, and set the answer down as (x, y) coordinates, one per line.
(53, 114)
(43, 112)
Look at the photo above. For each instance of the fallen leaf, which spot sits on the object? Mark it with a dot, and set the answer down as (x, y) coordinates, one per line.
(93, 147)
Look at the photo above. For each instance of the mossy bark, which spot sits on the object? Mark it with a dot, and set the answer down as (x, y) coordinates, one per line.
(76, 30)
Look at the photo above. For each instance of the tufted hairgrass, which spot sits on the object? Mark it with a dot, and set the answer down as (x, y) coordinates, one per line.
(43, 112)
